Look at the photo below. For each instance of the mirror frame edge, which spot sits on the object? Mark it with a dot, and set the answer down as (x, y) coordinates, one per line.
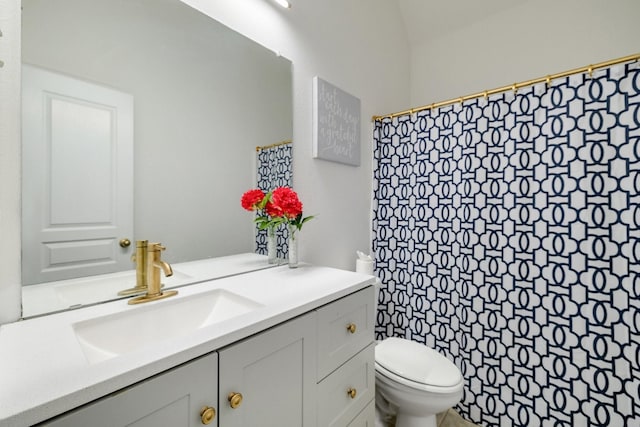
(10, 170)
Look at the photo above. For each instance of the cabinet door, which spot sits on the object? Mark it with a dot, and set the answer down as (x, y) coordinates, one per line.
(274, 372)
(172, 399)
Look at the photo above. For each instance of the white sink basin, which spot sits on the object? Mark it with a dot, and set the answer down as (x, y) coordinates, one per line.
(113, 335)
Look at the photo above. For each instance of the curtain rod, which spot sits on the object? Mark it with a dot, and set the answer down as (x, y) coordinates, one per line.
(514, 87)
(277, 144)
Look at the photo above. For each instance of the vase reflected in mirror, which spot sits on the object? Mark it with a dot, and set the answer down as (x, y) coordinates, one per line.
(272, 246)
(293, 248)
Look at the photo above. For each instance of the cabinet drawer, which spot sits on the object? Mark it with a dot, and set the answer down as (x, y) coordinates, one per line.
(336, 407)
(336, 342)
(366, 418)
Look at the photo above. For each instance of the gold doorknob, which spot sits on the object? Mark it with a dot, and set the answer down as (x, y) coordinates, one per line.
(235, 399)
(351, 327)
(351, 392)
(125, 243)
(207, 414)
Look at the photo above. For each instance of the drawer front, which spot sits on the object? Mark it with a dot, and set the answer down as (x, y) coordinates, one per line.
(366, 418)
(344, 328)
(345, 393)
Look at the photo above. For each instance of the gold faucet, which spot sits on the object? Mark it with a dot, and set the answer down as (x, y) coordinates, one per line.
(140, 258)
(153, 265)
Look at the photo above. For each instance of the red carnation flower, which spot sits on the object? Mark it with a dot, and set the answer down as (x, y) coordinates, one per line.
(251, 199)
(280, 206)
(271, 210)
(286, 203)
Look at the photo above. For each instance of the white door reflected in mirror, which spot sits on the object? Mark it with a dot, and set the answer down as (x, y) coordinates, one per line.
(77, 144)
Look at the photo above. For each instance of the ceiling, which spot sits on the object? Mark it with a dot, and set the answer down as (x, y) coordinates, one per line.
(425, 19)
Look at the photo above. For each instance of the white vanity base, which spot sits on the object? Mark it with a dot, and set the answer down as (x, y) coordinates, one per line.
(304, 312)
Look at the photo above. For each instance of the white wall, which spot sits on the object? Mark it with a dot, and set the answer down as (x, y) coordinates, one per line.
(359, 46)
(531, 40)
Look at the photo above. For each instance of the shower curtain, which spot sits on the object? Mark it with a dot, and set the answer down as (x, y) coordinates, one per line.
(507, 236)
(274, 169)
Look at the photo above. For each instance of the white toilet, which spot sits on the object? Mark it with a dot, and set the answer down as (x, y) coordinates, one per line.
(416, 381)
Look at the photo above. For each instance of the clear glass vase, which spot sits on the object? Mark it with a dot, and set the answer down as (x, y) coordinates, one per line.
(272, 246)
(293, 248)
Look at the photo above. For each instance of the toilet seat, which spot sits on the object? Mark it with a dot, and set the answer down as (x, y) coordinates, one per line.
(417, 366)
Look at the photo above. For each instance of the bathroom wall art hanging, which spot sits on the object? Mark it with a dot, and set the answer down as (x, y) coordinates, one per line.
(507, 236)
(336, 124)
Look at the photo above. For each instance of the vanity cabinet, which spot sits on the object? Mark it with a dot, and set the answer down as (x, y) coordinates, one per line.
(182, 396)
(313, 370)
(316, 370)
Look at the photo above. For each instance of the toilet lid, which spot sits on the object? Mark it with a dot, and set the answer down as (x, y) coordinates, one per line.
(416, 362)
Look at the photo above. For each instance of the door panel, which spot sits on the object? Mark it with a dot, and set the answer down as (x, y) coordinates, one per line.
(173, 399)
(274, 372)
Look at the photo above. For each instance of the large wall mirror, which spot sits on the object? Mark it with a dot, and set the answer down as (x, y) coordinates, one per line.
(202, 98)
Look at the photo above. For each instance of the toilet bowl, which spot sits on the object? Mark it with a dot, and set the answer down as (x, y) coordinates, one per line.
(416, 381)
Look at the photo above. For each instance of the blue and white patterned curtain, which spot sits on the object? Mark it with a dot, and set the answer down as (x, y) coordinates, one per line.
(274, 169)
(507, 236)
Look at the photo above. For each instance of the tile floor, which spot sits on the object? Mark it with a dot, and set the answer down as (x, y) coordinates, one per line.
(451, 418)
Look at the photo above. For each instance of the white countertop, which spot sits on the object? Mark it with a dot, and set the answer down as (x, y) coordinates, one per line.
(44, 372)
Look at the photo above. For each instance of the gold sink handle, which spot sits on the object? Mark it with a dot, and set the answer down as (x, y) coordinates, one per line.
(154, 266)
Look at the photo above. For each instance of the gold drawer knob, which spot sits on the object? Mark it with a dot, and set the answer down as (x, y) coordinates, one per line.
(351, 327)
(352, 393)
(235, 399)
(207, 414)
